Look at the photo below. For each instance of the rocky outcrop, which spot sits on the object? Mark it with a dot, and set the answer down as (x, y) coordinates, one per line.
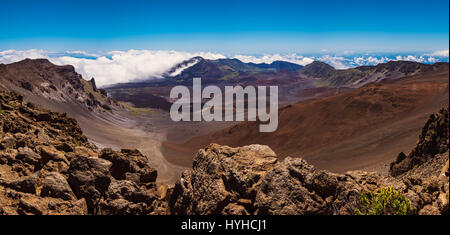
(434, 140)
(130, 165)
(93, 85)
(55, 185)
(47, 166)
(89, 177)
(222, 180)
(251, 181)
(125, 197)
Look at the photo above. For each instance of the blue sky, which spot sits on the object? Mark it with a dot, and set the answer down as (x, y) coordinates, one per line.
(227, 27)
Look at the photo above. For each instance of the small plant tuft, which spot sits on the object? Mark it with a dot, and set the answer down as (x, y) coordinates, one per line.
(12, 105)
(387, 202)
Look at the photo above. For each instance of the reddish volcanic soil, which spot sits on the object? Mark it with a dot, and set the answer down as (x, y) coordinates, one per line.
(361, 129)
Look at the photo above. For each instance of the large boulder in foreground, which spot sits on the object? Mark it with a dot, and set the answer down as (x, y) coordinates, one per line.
(130, 165)
(55, 185)
(89, 177)
(125, 197)
(222, 180)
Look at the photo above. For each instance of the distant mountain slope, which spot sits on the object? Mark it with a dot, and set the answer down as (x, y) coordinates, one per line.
(351, 130)
(279, 65)
(221, 72)
(55, 87)
(295, 82)
(359, 76)
(213, 71)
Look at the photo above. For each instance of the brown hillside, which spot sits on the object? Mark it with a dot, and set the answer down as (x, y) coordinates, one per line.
(365, 128)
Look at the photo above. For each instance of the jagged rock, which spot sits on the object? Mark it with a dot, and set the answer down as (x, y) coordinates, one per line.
(64, 147)
(127, 190)
(27, 155)
(7, 141)
(26, 184)
(55, 185)
(283, 190)
(26, 85)
(32, 206)
(103, 92)
(130, 165)
(89, 178)
(429, 210)
(221, 176)
(443, 198)
(433, 140)
(125, 197)
(8, 156)
(94, 86)
(55, 166)
(37, 206)
(85, 152)
(51, 153)
(234, 209)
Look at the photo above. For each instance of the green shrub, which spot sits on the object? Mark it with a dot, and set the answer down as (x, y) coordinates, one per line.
(387, 202)
(12, 105)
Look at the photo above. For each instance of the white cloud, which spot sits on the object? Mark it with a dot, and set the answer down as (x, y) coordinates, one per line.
(371, 60)
(267, 58)
(338, 62)
(10, 56)
(180, 69)
(83, 53)
(442, 53)
(412, 58)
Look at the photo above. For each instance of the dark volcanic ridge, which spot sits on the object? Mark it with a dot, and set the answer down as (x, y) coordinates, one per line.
(295, 82)
(326, 75)
(43, 82)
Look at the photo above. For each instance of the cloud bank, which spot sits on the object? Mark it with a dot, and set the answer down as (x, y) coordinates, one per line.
(112, 67)
(134, 65)
(443, 53)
